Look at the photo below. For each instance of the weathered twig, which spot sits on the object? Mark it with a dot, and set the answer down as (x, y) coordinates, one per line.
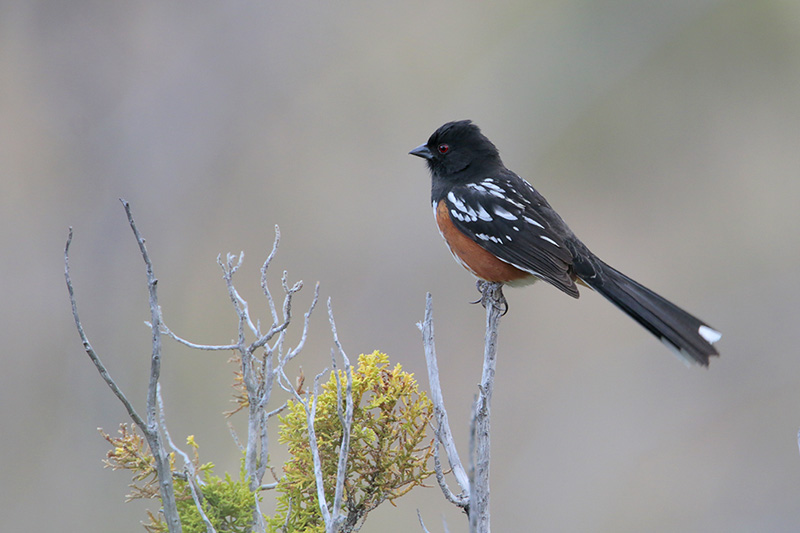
(443, 433)
(474, 497)
(87, 346)
(264, 269)
(421, 523)
(153, 433)
(332, 516)
(346, 419)
(258, 376)
(495, 304)
(189, 470)
(311, 413)
(150, 428)
(459, 500)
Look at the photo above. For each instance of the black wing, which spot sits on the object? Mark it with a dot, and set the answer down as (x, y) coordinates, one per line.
(509, 218)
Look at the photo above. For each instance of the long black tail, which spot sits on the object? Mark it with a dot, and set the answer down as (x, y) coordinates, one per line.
(691, 338)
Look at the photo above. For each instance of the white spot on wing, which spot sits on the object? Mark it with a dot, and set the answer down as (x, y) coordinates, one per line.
(489, 184)
(709, 334)
(483, 215)
(499, 211)
(529, 220)
(456, 201)
(548, 239)
(462, 211)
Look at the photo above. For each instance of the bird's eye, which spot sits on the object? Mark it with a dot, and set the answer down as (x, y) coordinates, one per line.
(443, 148)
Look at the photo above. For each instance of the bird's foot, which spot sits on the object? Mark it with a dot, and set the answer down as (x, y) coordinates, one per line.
(492, 294)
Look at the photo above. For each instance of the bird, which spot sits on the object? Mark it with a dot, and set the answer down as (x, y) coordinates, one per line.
(503, 231)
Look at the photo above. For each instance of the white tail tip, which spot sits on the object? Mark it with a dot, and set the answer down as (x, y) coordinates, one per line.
(711, 335)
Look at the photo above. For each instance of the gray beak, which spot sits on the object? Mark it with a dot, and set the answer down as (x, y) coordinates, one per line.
(422, 151)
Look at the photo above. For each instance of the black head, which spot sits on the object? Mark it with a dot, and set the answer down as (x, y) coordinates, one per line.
(456, 147)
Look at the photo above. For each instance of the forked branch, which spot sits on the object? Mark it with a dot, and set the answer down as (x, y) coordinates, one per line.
(474, 496)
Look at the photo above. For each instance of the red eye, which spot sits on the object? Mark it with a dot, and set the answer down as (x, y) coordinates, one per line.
(443, 148)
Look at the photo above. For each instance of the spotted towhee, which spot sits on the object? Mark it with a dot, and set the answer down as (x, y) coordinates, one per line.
(502, 230)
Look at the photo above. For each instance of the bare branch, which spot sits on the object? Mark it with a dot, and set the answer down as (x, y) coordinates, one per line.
(206, 347)
(443, 432)
(188, 466)
(345, 419)
(235, 437)
(268, 378)
(152, 432)
(312, 441)
(274, 412)
(162, 420)
(458, 500)
(155, 317)
(101, 368)
(229, 268)
(292, 353)
(264, 268)
(421, 523)
(258, 375)
(475, 487)
(494, 301)
(288, 515)
(336, 335)
(150, 428)
(198, 502)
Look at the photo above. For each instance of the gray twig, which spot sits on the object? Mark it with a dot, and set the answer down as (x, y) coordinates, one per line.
(494, 301)
(264, 268)
(311, 413)
(458, 500)
(151, 428)
(188, 466)
(153, 433)
(474, 497)
(421, 523)
(443, 432)
(346, 419)
(87, 346)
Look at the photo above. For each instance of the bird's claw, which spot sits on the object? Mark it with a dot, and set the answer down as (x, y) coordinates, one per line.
(491, 293)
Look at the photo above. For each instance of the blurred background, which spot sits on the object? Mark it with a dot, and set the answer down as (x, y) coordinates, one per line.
(666, 133)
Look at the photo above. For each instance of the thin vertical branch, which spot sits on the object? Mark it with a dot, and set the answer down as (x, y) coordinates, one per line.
(87, 346)
(150, 428)
(188, 466)
(458, 500)
(264, 268)
(443, 432)
(311, 413)
(346, 419)
(155, 321)
(474, 497)
(494, 302)
(152, 432)
(421, 523)
(332, 516)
